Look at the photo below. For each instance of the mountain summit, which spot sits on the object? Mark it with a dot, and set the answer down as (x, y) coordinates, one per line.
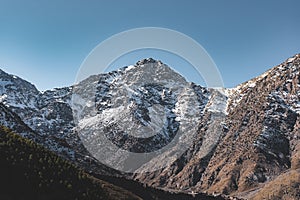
(141, 109)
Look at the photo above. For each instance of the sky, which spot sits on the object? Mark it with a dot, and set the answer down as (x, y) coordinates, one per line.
(45, 42)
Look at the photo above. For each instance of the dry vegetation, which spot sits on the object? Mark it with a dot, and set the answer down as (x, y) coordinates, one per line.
(284, 187)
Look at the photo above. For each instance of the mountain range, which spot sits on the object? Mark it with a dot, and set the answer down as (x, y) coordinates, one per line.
(241, 142)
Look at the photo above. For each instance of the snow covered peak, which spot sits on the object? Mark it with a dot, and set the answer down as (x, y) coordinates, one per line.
(17, 92)
(140, 108)
(149, 71)
(147, 60)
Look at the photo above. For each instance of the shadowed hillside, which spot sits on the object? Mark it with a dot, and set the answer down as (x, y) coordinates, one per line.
(29, 171)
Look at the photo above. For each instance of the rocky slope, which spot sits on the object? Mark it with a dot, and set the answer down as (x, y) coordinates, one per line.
(263, 134)
(257, 145)
(238, 141)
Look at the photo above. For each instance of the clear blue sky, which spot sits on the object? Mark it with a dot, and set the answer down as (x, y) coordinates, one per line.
(46, 41)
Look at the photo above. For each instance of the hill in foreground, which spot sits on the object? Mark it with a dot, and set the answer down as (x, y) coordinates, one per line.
(29, 171)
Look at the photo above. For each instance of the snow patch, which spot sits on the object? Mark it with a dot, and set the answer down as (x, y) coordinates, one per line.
(290, 60)
(3, 97)
(218, 101)
(129, 67)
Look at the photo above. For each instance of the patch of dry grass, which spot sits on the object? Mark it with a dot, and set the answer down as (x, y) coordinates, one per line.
(284, 187)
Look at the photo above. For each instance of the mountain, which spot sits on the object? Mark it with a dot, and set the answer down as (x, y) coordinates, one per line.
(242, 141)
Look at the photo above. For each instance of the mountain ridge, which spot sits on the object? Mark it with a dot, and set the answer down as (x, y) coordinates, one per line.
(245, 125)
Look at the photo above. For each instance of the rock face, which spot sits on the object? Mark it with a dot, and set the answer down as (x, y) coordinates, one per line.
(245, 140)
